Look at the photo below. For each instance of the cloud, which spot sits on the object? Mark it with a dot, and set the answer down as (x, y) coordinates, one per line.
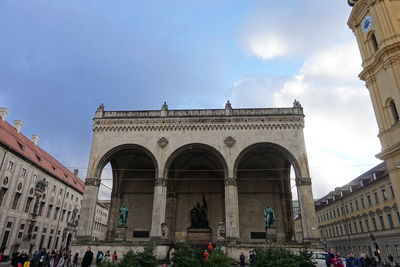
(340, 128)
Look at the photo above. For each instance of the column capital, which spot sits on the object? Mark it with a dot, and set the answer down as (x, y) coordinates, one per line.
(161, 181)
(92, 181)
(230, 181)
(303, 181)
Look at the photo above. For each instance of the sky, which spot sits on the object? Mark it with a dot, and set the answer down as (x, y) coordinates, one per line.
(61, 59)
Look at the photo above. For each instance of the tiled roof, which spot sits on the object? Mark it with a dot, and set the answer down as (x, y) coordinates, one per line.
(24, 147)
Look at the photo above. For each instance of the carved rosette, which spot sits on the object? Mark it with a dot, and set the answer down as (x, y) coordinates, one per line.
(161, 181)
(230, 181)
(92, 181)
(162, 142)
(229, 141)
(303, 181)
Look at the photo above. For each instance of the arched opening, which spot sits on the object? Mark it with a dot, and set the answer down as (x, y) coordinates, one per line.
(68, 243)
(133, 172)
(194, 171)
(263, 174)
(374, 42)
(393, 109)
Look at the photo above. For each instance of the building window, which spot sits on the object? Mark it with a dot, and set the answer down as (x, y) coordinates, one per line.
(63, 215)
(367, 225)
(361, 227)
(355, 227)
(28, 204)
(394, 111)
(34, 178)
(374, 42)
(9, 224)
(356, 202)
(23, 172)
(350, 230)
(15, 201)
(40, 212)
(391, 191)
(56, 213)
(20, 235)
(369, 201)
(347, 209)
(374, 224)
(398, 216)
(49, 211)
(351, 206)
(10, 165)
(384, 195)
(376, 197)
(382, 222)
(3, 192)
(341, 230)
(342, 209)
(390, 220)
(49, 243)
(362, 203)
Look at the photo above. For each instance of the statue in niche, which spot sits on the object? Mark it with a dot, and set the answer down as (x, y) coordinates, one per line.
(198, 215)
(41, 185)
(269, 217)
(123, 216)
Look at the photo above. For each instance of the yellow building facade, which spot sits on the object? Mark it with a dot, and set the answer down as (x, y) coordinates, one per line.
(362, 216)
(375, 24)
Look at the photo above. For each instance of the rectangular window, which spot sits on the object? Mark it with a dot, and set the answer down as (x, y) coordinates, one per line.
(15, 201)
(374, 224)
(334, 214)
(40, 212)
(63, 215)
(362, 203)
(341, 230)
(49, 243)
(369, 201)
(338, 214)
(382, 222)
(356, 202)
(376, 197)
(351, 206)
(34, 178)
(367, 225)
(23, 172)
(350, 230)
(10, 165)
(49, 211)
(56, 213)
(355, 227)
(361, 227)
(3, 192)
(384, 195)
(390, 220)
(9, 224)
(22, 226)
(347, 209)
(28, 204)
(342, 210)
(20, 235)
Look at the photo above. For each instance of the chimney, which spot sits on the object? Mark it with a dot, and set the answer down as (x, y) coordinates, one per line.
(18, 125)
(76, 171)
(35, 138)
(3, 113)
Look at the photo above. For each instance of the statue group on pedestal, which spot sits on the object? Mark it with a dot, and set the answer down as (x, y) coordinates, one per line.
(198, 215)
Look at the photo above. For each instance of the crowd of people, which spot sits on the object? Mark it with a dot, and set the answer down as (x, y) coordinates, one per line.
(334, 259)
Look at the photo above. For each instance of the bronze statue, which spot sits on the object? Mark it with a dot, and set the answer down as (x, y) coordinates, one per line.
(123, 216)
(198, 215)
(269, 217)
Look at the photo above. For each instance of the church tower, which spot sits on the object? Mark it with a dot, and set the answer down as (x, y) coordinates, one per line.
(376, 25)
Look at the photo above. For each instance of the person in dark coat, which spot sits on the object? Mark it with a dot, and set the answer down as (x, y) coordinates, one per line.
(15, 259)
(87, 258)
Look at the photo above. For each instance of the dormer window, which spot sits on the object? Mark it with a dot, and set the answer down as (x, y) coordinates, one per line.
(38, 158)
(21, 146)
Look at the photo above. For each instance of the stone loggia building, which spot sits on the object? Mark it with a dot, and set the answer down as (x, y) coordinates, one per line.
(165, 160)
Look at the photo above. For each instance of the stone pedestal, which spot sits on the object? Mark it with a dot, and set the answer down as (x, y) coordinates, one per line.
(120, 233)
(199, 235)
(270, 234)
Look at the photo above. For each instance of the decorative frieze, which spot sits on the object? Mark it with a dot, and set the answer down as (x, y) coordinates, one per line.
(303, 181)
(92, 181)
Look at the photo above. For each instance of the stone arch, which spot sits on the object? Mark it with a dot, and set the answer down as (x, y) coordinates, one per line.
(194, 172)
(134, 172)
(262, 172)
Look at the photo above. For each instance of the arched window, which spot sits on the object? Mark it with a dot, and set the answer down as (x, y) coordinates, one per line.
(374, 42)
(394, 111)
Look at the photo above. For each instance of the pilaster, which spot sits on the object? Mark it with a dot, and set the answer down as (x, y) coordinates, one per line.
(307, 208)
(231, 209)
(159, 205)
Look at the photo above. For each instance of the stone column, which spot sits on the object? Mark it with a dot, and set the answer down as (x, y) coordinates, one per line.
(231, 210)
(307, 209)
(159, 204)
(88, 209)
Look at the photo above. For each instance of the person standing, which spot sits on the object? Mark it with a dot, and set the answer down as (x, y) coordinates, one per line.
(391, 260)
(87, 258)
(210, 247)
(114, 257)
(352, 261)
(75, 260)
(99, 257)
(242, 259)
(206, 255)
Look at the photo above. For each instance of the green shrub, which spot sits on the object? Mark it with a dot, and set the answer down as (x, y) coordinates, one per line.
(218, 259)
(282, 257)
(106, 264)
(186, 257)
(138, 259)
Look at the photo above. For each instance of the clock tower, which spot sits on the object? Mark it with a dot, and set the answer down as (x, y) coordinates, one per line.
(376, 25)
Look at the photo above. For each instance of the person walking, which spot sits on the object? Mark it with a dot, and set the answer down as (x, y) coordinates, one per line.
(391, 260)
(242, 259)
(99, 257)
(87, 258)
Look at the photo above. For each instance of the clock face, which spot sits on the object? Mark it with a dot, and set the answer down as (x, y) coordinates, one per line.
(367, 24)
